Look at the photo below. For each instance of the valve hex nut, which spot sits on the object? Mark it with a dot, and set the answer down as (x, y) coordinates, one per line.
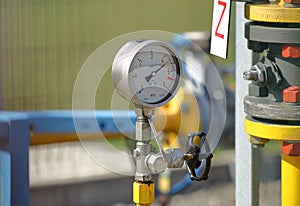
(143, 193)
(156, 163)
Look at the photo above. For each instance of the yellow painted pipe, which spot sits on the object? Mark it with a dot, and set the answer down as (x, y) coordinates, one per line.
(272, 12)
(164, 182)
(272, 131)
(181, 115)
(290, 180)
(170, 140)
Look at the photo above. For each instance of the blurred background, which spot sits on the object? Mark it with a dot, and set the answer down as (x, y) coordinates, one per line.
(43, 46)
(44, 43)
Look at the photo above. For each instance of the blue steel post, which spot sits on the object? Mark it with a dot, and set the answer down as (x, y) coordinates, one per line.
(5, 189)
(19, 150)
(4, 178)
(15, 142)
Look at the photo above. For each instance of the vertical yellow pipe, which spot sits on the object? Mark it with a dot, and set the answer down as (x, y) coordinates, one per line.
(290, 180)
(280, 2)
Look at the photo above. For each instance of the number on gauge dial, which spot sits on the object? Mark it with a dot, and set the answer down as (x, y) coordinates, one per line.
(154, 74)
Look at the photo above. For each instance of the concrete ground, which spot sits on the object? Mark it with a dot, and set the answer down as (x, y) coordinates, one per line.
(222, 194)
(65, 175)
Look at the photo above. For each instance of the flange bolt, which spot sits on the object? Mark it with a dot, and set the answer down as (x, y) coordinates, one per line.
(291, 94)
(297, 2)
(250, 75)
(290, 51)
(291, 148)
(255, 73)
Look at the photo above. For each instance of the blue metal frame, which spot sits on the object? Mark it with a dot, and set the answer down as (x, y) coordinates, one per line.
(14, 137)
(14, 143)
(4, 178)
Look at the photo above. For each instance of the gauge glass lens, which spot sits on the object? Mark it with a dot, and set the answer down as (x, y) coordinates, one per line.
(154, 74)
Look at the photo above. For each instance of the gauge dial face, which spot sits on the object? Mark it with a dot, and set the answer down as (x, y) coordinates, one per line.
(154, 74)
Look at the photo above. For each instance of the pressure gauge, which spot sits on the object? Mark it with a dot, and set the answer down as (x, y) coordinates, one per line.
(147, 72)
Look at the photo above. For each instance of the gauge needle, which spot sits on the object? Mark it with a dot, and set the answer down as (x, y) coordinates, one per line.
(153, 74)
(141, 90)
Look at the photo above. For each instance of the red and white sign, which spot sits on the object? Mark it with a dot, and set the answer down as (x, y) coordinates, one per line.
(220, 28)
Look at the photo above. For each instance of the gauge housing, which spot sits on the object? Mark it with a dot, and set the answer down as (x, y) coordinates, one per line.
(122, 66)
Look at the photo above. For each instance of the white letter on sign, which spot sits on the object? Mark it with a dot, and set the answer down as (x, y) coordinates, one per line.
(220, 27)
